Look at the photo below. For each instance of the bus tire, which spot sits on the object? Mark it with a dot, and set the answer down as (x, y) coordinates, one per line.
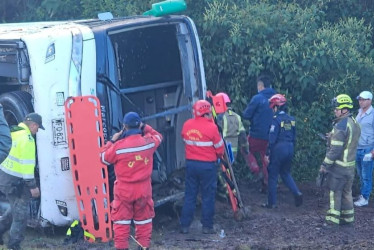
(16, 105)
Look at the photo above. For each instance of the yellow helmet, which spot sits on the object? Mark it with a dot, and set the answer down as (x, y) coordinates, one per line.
(342, 101)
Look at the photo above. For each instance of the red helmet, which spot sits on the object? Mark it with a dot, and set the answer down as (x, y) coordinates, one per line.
(226, 98)
(277, 100)
(201, 107)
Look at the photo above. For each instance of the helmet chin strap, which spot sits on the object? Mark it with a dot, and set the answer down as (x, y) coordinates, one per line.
(346, 112)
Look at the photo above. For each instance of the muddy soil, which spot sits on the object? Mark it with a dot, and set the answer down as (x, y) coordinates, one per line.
(285, 227)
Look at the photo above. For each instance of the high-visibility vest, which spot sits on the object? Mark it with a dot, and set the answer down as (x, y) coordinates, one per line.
(76, 227)
(232, 126)
(21, 159)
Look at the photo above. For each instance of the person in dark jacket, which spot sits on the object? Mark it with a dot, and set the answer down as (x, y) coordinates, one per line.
(260, 116)
(5, 139)
(282, 137)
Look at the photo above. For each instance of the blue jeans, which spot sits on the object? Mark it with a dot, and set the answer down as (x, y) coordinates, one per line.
(364, 171)
(199, 175)
(280, 164)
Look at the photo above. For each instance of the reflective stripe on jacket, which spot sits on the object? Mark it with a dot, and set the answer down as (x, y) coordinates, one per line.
(132, 156)
(232, 127)
(21, 159)
(202, 140)
(343, 143)
(282, 129)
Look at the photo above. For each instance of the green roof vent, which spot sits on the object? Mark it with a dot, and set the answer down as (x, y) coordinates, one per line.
(166, 8)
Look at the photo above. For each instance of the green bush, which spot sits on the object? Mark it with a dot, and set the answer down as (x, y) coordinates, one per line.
(311, 60)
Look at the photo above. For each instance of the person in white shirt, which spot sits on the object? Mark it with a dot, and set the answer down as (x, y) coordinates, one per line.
(365, 149)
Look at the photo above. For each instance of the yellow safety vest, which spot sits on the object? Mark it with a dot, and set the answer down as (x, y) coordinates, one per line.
(21, 159)
(76, 223)
(232, 126)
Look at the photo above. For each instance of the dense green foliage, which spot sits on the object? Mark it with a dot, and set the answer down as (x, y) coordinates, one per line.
(312, 49)
(310, 59)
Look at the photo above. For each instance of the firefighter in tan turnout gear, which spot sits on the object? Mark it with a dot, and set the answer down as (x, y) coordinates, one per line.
(339, 163)
(233, 132)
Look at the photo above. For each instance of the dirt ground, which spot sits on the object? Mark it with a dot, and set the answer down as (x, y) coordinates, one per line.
(286, 227)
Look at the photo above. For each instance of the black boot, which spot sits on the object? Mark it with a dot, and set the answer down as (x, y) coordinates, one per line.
(298, 200)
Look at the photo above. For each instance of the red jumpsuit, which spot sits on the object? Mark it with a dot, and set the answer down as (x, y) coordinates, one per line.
(132, 157)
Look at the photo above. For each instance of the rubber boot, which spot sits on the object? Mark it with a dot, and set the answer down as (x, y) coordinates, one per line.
(298, 200)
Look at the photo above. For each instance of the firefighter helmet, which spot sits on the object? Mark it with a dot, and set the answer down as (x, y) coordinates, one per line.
(201, 107)
(277, 100)
(342, 101)
(226, 98)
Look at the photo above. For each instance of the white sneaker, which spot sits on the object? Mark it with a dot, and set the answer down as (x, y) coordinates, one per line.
(361, 202)
(357, 198)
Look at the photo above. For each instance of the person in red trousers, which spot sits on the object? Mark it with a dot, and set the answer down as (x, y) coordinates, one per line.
(260, 116)
(131, 151)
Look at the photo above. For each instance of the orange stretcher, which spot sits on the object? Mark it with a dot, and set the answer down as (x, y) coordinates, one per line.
(90, 176)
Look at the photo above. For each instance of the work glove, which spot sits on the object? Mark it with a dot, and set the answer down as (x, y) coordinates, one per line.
(321, 179)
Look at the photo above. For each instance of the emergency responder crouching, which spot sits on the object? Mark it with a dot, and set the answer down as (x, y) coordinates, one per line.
(282, 137)
(203, 147)
(339, 163)
(17, 179)
(131, 151)
(233, 132)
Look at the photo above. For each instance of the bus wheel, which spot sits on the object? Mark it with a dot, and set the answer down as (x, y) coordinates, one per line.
(16, 105)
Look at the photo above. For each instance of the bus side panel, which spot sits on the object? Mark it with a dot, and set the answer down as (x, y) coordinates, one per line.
(50, 85)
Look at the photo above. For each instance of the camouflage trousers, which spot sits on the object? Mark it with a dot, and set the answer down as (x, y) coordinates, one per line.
(15, 218)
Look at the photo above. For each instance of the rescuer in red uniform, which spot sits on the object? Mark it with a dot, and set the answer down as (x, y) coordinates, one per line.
(204, 146)
(131, 153)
